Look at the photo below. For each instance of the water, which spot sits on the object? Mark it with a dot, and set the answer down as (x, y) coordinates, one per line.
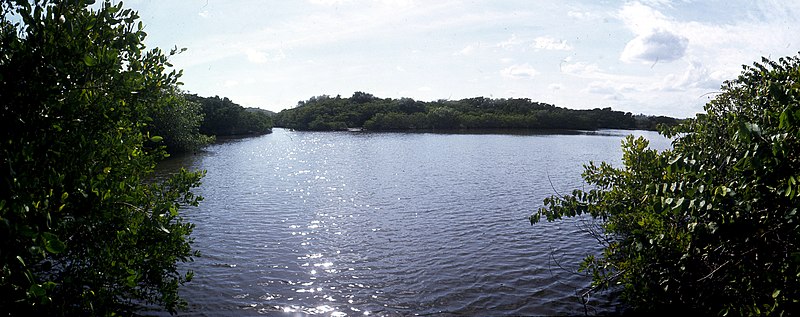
(357, 224)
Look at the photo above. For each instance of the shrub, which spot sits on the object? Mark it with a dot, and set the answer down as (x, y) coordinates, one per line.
(710, 226)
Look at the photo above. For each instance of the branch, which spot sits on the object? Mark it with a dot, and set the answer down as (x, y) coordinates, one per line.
(605, 281)
(553, 186)
(714, 271)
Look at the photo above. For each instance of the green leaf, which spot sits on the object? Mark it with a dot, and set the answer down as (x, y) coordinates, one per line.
(89, 60)
(156, 138)
(36, 290)
(161, 227)
(52, 244)
(679, 203)
(784, 119)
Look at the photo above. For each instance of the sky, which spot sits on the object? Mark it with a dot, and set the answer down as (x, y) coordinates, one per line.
(656, 57)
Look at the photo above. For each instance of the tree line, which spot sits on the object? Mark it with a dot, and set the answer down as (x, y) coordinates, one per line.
(363, 110)
(190, 122)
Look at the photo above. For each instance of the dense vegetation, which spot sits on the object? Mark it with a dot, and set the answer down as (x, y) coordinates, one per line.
(711, 226)
(84, 228)
(364, 110)
(178, 120)
(223, 117)
(187, 122)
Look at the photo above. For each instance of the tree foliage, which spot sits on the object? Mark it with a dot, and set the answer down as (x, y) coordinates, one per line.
(710, 226)
(178, 122)
(84, 229)
(223, 117)
(372, 113)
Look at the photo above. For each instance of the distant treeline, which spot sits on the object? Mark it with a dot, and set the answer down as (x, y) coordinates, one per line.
(363, 110)
(187, 123)
(223, 117)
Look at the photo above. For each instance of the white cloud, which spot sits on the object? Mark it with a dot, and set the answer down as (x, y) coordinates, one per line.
(467, 50)
(398, 3)
(642, 19)
(656, 36)
(230, 83)
(510, 42)
(321, 26)
(610, 90)
(658, 46)
(659, 3)
(612, 45)
(580, 68)
(549, 43)
(330, 2)
(255, 56)
(600, 87)
(522, 71)
(260, 57)
(581, 15)
(695, 76)
(542, 42)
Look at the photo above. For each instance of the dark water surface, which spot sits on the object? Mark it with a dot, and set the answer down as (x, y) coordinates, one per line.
(358, 224)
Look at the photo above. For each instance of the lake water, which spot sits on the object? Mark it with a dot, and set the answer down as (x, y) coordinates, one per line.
(358, 224)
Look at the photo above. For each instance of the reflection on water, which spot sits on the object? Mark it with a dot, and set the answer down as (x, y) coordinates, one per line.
(358, 224)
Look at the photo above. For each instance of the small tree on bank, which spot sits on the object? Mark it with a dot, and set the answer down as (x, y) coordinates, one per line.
(711, 226)
(83, 228)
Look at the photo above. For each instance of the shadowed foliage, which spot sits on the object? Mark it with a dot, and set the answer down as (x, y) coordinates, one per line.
(710, 226)
(84, 229)
(364, 110)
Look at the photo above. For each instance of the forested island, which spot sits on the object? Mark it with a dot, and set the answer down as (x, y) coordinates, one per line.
(363, 110)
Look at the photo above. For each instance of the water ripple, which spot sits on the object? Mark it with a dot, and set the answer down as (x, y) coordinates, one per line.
(343, 224)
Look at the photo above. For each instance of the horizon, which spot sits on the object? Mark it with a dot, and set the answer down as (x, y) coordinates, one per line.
(656, 57)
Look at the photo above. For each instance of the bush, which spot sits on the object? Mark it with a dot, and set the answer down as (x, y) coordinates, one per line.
(710, 226)
(178, 121)
(84, 229)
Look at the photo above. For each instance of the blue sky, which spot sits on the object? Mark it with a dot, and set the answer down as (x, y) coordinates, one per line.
(656, 57)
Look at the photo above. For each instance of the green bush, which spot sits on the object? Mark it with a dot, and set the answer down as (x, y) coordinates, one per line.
(84, 229)
(223, 117)
(710, 226)
(178, 121)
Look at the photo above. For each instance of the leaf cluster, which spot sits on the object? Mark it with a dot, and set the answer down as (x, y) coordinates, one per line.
(84, 230)
(710, 226)
(223, 117)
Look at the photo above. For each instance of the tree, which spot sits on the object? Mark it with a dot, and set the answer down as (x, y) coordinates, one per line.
(223, 117)
(443, 118)
(178, 121)
(84, 229)
(710, 226)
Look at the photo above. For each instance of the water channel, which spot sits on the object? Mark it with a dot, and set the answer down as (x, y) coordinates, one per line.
(362, 224)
